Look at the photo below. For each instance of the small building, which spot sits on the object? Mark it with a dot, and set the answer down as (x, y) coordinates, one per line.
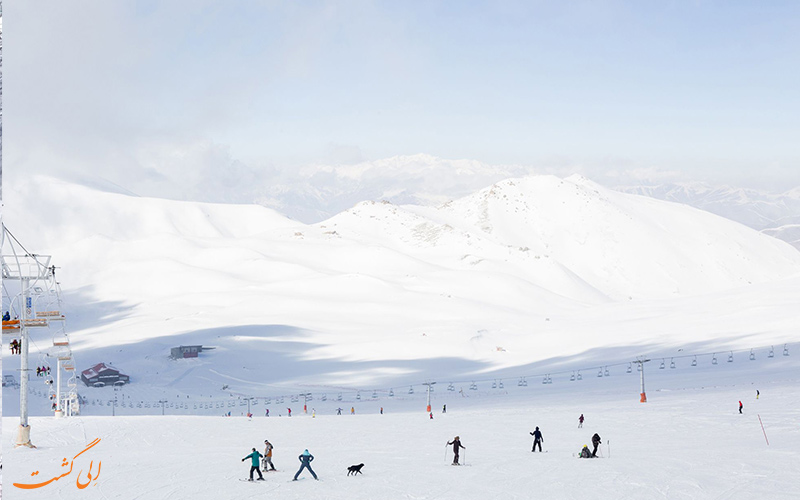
(102, 374)
(185, 351)
(9, 381)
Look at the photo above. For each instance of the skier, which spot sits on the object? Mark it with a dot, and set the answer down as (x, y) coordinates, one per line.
(6, 316)
(596, 442)
(290, 411)
(456, 445)
(267, 415)
(740, 407)
(444, 408)
(267, 456)
(585, 453)
(305, 463)
(537, 440)
(352, 410)
(431, 415)
(757, 394)
(381, 410)
(580, 421)
(254, 464)
(313, 413)
(338, 411)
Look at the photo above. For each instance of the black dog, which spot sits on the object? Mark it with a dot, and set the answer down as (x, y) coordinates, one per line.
(355, 469)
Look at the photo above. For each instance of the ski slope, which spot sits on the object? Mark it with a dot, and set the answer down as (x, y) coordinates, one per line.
(687, 442)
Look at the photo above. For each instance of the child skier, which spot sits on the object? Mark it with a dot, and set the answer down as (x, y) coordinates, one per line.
(254, 464)
(456, 445)
(267, 456)
(305, 463)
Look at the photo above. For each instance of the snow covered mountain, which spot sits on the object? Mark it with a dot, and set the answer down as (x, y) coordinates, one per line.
(777, 215)
(374, 293)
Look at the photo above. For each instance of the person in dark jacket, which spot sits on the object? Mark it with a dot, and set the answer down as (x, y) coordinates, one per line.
(740, 406)
(580, 421)
(537, 440)
(456, 445)
(305, 463)
(254, 464)
(596, 442)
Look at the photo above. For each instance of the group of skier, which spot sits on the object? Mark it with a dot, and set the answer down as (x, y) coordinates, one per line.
(266, 462)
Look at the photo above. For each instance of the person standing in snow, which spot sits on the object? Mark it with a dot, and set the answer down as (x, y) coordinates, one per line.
(352, 410)
(596, 442)
(268, 456)
(444, 408)
(537, 440)
(580, 421)
(338, 411)
(290, 411)
(456, 445)
(305, 463)
(254, 464)
(740, 406)
(757, 394)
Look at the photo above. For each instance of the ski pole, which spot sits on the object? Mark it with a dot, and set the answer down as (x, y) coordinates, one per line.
(609, 449)
(445, 453)
(465, 456)
(762, 429)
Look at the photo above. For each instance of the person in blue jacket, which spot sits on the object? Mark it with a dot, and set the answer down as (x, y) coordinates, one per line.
(305, 463)
(254, 457)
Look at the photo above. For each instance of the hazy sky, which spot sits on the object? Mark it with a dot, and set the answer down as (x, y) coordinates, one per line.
(149, 93)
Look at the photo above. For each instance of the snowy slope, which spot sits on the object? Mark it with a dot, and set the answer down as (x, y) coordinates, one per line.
(512, 277)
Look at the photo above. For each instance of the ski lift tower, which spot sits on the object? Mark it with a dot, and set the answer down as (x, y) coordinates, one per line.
(30, 270)
(641, 361)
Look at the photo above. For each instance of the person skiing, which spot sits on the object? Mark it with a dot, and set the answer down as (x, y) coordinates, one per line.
(290, 411)
(596, 442)
(444, 408)
(305, 463)
(254, 464)
(267, 456)
(740, 406)
(456, 445)
(338, 411)
(267, 415)
(431, 415)
(537, 440)
(757, 394)
(352, 410)
(580, 421)
(381, 410)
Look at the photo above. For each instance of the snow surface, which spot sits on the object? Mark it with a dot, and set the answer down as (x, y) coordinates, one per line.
(687, 442)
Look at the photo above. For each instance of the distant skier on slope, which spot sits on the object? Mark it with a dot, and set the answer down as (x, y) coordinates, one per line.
(596, 442)
(254, 464)
(580, 421)
(757, 394)
(456, 445)
(444, 408)
(740, 406)
(305, 463)
(290, 411)
(537, 440)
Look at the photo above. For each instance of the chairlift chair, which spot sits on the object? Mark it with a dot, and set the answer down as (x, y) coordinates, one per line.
(544, 380)
(606, 372)
(451, 387)
(324, 397)
(374, 394)
(339, 397)
(519, 384)
(600, 373)
(572, 377)
(549, 379)
(494, 384)
(771, 352)
(694, 361)
(752, 355)
(730, 357)
(500, 386)
(580, 377)
(391, 393)
(785, 350)
(630, 368)
(473, 386)
(714, 359)
(411, 389)
(663, 365)
(358, 396)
